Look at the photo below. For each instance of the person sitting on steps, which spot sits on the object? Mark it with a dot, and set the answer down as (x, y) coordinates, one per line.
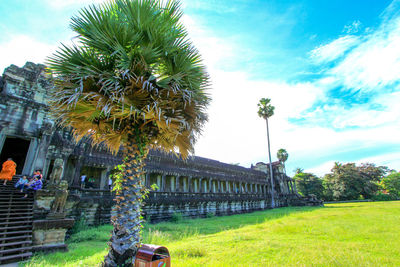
(22, 182)
(33, 186)
(37, 174)
(8, 170)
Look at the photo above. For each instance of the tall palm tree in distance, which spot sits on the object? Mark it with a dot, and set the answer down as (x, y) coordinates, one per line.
(132, 78)
(265, 111)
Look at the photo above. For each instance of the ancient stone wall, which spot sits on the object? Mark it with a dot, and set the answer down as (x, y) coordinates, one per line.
(194, 187)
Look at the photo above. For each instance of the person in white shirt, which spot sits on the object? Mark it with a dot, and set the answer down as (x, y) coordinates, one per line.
(83, 178)
(110, 183)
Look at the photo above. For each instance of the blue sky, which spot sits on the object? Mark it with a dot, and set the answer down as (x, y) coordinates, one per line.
(330, 68)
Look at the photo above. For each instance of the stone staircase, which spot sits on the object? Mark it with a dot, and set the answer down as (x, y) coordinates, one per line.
(16, 217)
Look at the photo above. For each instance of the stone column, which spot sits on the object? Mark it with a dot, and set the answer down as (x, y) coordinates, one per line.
(190, 184)
(147, 182)
(218, 186)
(210, 187)
(44, 142)
(104, 179)
(77, 173)
(163, 179)
(201, 185)
(185, 185)
(159, 182)
(177, 183)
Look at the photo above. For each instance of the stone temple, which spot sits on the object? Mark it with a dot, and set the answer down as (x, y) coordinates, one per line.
(196, 187)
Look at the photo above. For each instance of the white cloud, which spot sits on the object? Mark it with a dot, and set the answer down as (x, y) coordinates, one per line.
(236, 134)
(354, 27)
(373, 63)
(334, 50)
(19, 49)
(388, 159)
(321, 169)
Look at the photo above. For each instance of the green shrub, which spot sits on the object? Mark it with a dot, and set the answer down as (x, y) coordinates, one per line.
(79, 225)
(176, 217)
(383, 197)
(100, 233)
(210, 215)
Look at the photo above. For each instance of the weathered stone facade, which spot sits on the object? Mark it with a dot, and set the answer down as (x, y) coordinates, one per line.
(195, 187)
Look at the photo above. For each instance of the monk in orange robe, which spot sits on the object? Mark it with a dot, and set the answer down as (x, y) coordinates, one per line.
(8, 170)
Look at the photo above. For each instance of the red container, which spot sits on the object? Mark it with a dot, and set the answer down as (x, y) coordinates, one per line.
(152, 256)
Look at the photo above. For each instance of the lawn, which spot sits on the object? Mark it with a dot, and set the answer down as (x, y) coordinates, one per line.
(346, 234)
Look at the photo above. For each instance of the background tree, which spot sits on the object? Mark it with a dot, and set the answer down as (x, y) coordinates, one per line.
(309, 184)
(298, 170)
(265, 111)
(282, 156)
(348, 181)
(131, 78)
(391, 184)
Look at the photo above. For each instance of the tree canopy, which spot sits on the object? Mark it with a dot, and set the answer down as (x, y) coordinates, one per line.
(131, 65)
(309, 184)
(348, 181)
(265, 109)
(282, 155)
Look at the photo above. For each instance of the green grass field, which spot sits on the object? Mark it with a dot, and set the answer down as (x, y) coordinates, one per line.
(346, 234)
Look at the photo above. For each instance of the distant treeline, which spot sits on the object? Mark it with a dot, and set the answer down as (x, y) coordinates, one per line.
(350, 182)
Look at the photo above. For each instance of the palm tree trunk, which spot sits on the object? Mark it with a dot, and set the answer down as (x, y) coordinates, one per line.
(270, 169)
(126, 218)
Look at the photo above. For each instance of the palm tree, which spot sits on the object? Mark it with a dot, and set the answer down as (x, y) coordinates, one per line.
(133, 79)
(265, 111)
(282, 155)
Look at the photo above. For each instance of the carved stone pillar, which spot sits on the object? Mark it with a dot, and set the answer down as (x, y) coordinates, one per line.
(210, 187)
(201, 185)
(46, 132)
(189, 184)
(147, 182)
(163, 180)
(177, 189)
(77, 172)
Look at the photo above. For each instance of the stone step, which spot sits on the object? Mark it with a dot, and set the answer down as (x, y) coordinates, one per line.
(11, 209)
(16, 205)
(14, 257)
(26, 237)
(7, 228)
(13, 250)
(16, 232)
(10, 218)
(10, 244)
(30, 213)
(10, 191)
(17, 201)
(16, 222)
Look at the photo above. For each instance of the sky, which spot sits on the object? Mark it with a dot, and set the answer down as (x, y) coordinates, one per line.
(330, 68)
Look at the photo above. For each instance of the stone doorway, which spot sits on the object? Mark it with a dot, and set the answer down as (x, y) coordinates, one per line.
(17, 149)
